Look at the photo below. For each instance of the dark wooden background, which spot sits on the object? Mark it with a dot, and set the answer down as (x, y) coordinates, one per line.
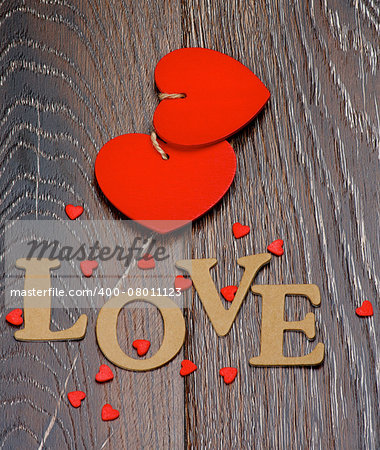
(75, 74)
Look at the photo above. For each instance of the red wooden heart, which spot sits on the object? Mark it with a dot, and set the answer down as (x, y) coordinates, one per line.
(73, 211)
(240, 230)
(142, 346)
(104, 374)
(187, 367)
(182, 283)
(229, 292)
(276, 247)
(163, 194)
(15, 317)
(87, 267)
(108, 413)
(146, 262)
(365, 310)
(76, 397)
(228, 374)
(222, 96)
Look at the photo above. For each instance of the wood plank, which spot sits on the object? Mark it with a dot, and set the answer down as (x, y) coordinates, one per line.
(74, 75)
(306, 173)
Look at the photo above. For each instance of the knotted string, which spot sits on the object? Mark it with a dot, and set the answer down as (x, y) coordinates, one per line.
(156, 145)
(164, 96)
(153, 136)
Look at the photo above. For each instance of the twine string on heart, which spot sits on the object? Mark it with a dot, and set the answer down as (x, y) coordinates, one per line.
(153, 136)
(165, 96)
(156, 145)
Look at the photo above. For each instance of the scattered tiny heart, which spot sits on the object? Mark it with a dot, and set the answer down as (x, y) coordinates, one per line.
(15, 317)
(146, 262)
(229, 292)
(187, 367)
(182, 283)
(87, 267)
(240, 230)
(73, 211)
(76, 397)
(142, 346)
(365, 310)
(276, 247)
(108, 413)
(228, 374)
(104, 374)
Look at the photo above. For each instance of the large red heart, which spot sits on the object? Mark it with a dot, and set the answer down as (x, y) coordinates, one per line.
(222, 96)
(163, 194)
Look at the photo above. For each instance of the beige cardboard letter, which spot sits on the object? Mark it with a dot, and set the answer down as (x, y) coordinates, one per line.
(199, 270)
(37, 308)
(273, 325)
(174, 332)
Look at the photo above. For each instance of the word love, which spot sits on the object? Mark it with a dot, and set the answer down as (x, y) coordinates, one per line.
(37, 314)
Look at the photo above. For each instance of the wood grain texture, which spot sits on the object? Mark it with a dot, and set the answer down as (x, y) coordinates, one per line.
(73, 75)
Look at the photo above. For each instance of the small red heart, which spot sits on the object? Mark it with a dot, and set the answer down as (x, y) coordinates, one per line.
(365, 310)
(163, 195)
(222, 96)
(228, 374)
(229, 292)
(182, 283)
(146, 262)
(73, 211)
(276, 247)
(142, 346)
(15, 317)
(76, 397)
(240, 230)
(87, 267)
(187, 367)
(108, 413)
(104, 374)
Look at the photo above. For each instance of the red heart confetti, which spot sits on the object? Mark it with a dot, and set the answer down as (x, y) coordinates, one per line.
(15, 317)
(73, 211)
(142, 346)
(129, 171)
(365, 310)
(229, 292)
(187, 367)
(146, 262)
(240, 230)
(222, 96)
(87, 267)
(108, 413)
(276, 247)
(76, 397)
(104, 374)
(228, 374)
(182, 283)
